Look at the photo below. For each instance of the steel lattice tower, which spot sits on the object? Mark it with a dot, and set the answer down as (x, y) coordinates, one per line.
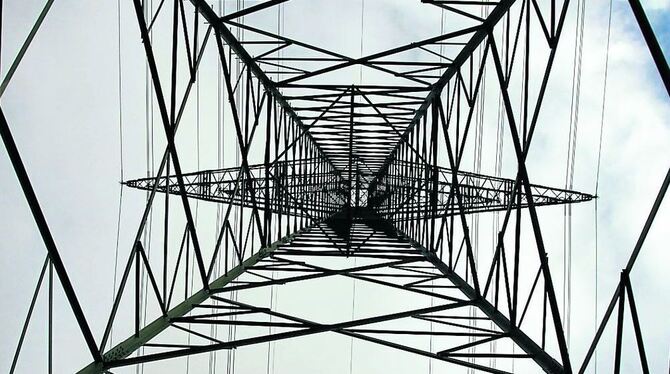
(330, 169)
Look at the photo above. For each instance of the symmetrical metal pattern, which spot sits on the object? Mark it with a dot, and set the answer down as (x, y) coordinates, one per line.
(304, 187)
(391, 260)
(331, 171)
(405, 193)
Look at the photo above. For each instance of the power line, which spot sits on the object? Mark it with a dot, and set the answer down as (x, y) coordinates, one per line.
(118, 221)
(600, 147)
(570, 164)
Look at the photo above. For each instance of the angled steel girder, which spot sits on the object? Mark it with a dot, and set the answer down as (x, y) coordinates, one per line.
(474, 192)
(370, 155)
(45, 233)
(481, 193)
(217, 23)
(542, 358)
(436, 89)
(150, 331)
(373, 238)
(315, 192)
(624, 287)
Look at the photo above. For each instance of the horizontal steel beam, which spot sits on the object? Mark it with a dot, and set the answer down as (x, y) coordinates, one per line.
(542, 358)
(216, 22)
(131, 344)
(479, 36)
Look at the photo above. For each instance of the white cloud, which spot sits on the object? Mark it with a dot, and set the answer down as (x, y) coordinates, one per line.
(61, 107)
(656, 4)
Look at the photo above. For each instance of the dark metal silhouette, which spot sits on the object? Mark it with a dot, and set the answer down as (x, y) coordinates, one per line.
(373, 171)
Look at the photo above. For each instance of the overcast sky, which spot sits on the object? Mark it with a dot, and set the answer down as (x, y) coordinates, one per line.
(62, 106)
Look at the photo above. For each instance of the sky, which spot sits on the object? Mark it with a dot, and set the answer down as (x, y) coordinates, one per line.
(63, 108)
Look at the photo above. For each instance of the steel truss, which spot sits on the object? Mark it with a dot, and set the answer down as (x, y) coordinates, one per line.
(313, 191)
(369, 171)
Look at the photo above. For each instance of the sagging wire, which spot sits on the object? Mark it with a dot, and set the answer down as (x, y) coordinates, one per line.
(121, 174)
(476, 167)
(595, 209)
(270, 365)
(149, 130)
(214, 330)
(570, 166)
(232, 329)
(432, 282)
(353, 281)
(197, 147)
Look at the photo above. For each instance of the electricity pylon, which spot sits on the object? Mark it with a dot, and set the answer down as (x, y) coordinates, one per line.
(330, 169)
